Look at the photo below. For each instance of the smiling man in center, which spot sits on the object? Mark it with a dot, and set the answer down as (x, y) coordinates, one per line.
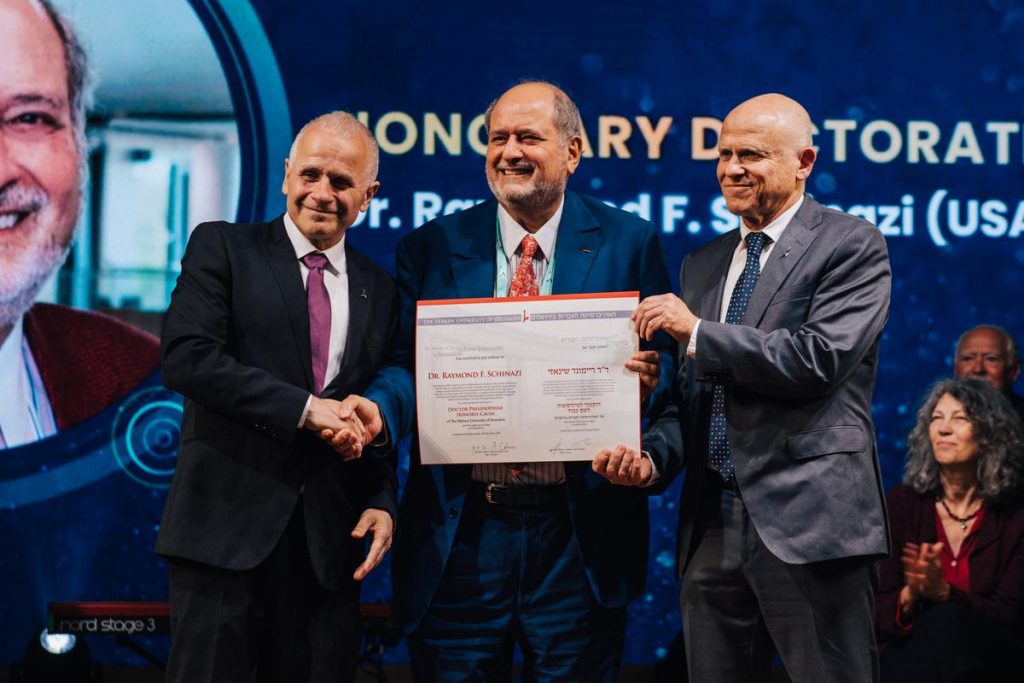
(544, 555)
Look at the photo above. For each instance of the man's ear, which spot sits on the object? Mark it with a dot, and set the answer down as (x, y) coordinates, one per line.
(1011, 376)
(370, 191)
(807, 158)
(574, 149)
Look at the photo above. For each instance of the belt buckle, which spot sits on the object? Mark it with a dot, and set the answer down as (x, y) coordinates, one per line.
(489, 492)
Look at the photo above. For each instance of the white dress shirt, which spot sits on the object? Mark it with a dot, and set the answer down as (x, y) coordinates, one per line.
(544, 473)
(512, 235)
(25, 412)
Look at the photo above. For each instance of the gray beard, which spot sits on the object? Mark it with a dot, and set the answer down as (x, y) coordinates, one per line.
(20, 283)
(542, 193)
(30, 268)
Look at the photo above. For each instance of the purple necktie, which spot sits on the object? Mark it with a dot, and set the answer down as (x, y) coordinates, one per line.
(319, 316)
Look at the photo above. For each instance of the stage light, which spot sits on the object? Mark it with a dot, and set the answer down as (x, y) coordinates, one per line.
(57, 643)
(56, 658)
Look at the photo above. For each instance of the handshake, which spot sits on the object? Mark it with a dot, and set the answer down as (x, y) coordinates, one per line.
(346, 426)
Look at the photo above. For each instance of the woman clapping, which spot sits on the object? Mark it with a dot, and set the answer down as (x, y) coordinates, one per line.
(950, 598)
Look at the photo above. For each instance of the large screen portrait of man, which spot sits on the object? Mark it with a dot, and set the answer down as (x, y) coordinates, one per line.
(58, 366)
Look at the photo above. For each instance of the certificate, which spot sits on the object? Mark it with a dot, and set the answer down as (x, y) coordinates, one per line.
(529, 379)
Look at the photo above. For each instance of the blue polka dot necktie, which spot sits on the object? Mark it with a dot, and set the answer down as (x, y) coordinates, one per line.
(718, 446)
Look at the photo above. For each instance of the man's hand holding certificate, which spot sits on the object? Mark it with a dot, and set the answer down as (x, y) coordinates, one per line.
(528, 379)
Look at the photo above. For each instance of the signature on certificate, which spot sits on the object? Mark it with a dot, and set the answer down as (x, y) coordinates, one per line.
(562, 446)
(492, 448)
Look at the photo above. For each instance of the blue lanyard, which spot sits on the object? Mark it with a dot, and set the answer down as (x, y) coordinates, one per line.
(501, 284)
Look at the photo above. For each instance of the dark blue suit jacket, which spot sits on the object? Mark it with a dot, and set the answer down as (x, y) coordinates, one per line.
(598, 249)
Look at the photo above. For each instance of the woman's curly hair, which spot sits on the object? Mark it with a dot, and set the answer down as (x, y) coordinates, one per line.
(997, 431)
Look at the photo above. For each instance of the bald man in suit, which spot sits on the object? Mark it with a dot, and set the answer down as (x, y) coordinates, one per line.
(779, 324)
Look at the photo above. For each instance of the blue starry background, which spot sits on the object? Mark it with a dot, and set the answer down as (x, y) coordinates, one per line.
(862, 61)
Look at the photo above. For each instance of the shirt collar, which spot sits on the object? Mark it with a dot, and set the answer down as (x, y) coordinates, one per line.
(776, 227)
(10, 353)
(13, 411)
(512, 233)
(302, 246)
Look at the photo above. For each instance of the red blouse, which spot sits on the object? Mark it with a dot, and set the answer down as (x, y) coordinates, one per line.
(955, 569)
(995, 555)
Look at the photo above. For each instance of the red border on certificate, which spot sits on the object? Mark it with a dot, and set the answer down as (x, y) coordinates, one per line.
(549, 297)
(489, 300)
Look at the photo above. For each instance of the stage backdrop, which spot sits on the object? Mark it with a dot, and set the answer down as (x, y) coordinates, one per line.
(918, 109)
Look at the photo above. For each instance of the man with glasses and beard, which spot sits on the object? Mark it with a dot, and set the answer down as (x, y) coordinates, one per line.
(58, 366)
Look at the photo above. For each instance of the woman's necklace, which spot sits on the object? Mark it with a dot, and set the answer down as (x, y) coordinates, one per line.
(963, 520)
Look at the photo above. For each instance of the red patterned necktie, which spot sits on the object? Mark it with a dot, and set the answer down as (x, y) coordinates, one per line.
(319, 304)
(524, 282)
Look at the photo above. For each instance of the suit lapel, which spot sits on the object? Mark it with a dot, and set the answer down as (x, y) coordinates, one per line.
(710, 306)
(285, 269)
(360, 301)
(579, 239)
(795, 240)
(61, 379)
(473, 252)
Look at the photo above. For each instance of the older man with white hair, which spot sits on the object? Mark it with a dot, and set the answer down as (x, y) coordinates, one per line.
(988, 352)
(269, 325)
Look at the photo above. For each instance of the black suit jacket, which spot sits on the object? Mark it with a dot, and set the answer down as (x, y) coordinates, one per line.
(236, 345)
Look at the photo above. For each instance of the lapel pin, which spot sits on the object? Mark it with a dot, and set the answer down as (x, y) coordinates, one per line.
(585, 250)
(362, 294)
(785, 253)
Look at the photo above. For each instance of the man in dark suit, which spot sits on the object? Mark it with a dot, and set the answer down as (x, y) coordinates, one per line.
(546, 556)
(990, 353)
(264, 527)
(778, 323)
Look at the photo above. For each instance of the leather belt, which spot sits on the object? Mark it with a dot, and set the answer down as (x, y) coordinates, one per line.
(523, 496)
